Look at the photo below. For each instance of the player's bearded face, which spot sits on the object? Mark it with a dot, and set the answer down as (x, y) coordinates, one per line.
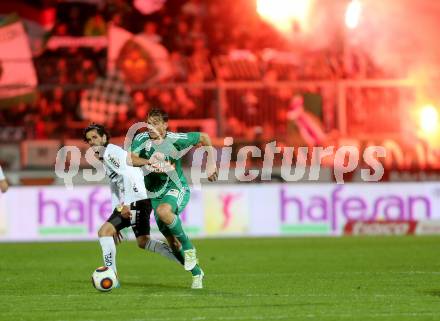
(95, 140)
(156, 127)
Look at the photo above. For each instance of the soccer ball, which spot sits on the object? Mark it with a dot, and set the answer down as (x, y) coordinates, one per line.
(103, 279)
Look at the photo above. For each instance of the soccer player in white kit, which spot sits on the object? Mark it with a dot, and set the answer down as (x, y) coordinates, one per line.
(3, 182)
(129, 199)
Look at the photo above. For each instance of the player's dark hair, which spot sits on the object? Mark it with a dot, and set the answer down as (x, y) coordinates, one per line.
(99, 129)
(158, 112)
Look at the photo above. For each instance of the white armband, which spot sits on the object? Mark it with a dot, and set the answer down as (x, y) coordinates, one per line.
(2, 176)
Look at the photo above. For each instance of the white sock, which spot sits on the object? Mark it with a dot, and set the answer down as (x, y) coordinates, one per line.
(161, 248)
(108, 252)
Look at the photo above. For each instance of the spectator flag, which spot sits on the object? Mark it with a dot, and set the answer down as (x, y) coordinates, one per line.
(106, 101)
(138, 58)
(37, 18)
(17, 74)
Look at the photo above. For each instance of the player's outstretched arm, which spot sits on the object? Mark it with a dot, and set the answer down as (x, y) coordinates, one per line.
(134, 160)
(211, 165)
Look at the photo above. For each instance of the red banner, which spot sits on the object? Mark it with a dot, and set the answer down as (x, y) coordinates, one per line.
(380, 227)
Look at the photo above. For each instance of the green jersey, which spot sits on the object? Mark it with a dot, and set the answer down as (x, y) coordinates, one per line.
(169, 151)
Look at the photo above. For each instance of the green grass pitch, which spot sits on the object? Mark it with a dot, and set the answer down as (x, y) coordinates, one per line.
(386, 278)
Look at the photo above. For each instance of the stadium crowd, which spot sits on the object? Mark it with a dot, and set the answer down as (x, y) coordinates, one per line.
(208, 41)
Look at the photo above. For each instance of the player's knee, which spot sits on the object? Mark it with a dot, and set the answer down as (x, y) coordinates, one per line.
(106, 230)
(142, 242)
(164, 212)
(103, 232)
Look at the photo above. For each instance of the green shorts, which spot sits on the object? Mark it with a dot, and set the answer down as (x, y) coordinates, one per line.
(178, 199)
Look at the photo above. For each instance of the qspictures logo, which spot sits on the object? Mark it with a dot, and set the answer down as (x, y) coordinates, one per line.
(344, 159)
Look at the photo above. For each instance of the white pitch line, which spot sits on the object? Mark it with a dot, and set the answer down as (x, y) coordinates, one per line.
(326, 273)
(289, 317)
(232, 295)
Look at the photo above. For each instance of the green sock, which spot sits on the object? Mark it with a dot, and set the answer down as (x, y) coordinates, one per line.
(177, 230)
(196, 271)
(179, 255)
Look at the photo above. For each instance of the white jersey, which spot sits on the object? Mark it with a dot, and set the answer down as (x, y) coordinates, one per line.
(2, 176)
(126, 182)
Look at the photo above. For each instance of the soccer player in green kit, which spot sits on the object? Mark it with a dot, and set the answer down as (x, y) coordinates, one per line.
(167, 183)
